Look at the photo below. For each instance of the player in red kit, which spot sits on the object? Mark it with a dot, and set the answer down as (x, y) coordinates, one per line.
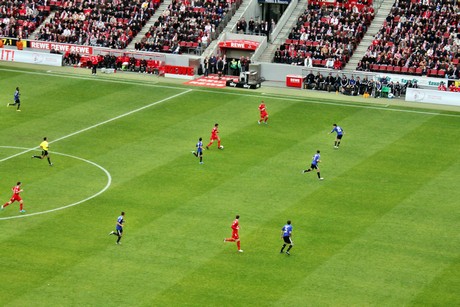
(16, 190)
(263, 113)
(215, 136)
(235, 236)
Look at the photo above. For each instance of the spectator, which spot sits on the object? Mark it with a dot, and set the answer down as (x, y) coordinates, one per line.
(442, 86)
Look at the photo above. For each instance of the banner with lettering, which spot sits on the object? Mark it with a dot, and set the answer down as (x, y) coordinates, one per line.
(62, 48)
(239, 44)
(11, 55)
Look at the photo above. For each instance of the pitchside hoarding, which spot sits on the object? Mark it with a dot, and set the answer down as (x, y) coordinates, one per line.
(433, 96)
(11, 55)
(421, 81)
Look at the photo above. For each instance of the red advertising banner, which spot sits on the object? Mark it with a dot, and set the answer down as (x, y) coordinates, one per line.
(239, 44)
(63, 48)
(294, 81)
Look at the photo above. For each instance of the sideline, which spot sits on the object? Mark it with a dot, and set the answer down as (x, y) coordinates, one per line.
(107, 185)
(268, 92)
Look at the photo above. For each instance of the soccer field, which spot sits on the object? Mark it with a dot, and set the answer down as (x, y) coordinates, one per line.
(382, 228)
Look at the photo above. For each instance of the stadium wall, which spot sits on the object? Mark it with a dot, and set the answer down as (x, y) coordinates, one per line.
(432, 96)
(282, 21)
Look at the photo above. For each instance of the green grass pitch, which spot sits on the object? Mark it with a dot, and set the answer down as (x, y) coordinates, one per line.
(382, 228)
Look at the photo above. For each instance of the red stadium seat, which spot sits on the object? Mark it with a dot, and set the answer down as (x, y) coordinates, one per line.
(432, 72)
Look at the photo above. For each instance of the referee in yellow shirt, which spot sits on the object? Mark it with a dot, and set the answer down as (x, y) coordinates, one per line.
(44, 146)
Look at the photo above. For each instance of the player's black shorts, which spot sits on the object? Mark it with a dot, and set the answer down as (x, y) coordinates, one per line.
(314, 166)
(339, 136)
(44, 153)
(287, 240)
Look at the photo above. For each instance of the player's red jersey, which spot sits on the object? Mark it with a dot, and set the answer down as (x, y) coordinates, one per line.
(214, 133)
(262, 107)
(16, 189)
(235, 225)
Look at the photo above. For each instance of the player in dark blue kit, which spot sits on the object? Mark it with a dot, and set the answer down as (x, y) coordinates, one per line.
(199, 150)
(119, 227)
(340, 134)
(17, 100)
(314, 165)
(286, 235)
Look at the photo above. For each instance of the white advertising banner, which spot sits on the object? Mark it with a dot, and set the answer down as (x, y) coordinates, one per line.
(433, 96)
(421, 81)
(30, 57)
(60, 47)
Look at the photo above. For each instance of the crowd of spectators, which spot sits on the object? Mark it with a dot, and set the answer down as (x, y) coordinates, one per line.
(185, 24)
(418, 36)
(356, 86)
(111, 24)
(116, 62)
(255, 27)
(19, 19)
(325, 33)
(231, 67)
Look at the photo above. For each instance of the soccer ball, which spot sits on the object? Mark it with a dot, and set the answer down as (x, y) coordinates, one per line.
(221, 147)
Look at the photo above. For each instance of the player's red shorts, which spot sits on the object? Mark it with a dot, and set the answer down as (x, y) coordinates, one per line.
(214, 137)
(15, 197)
(263, 114)
(235, 235)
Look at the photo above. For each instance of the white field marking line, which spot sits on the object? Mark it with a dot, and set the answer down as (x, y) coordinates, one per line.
(109, 182)
(272, 96)
(93, 78)
(100, 124)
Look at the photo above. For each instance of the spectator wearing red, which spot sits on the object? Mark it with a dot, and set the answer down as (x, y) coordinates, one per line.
(442, 86)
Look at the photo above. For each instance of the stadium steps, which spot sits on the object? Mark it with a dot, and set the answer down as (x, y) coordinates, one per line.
(37, 30)
(163, 6)
(229, 28)
(380, 17)
(269, 52)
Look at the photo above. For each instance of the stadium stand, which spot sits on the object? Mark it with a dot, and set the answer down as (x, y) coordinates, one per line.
(417, 38)
(100, 23)
(327, 34)
(255, 26)
(186, 27)
(19, 19)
